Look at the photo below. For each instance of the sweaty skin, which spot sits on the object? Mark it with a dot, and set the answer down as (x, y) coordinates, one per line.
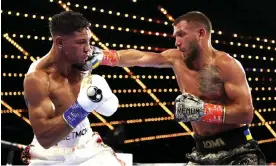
(49, 94)
(221, 81)
(52, 86)
(212, 75)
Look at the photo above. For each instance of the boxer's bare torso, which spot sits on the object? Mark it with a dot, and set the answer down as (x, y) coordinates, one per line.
(208, 85)
(61, 90)
(48, 94)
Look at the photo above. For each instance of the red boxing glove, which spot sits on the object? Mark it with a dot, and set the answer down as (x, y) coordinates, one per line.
(110, 57)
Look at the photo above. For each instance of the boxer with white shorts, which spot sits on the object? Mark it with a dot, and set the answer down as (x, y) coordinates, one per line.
(60, 93)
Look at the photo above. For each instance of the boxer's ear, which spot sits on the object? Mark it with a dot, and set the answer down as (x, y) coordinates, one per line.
(202, 33)
(59, 41)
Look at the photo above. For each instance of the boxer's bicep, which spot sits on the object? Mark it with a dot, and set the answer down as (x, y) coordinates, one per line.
(238, 92)
(37, 95)
(236, 86)
(239, 109)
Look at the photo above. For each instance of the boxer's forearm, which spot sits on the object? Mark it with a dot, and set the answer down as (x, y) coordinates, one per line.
(53, 130)
(238, 114)
(131, 57)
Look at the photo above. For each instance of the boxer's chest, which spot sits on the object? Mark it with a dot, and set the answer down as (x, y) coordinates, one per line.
(63, 92)
(205, 83)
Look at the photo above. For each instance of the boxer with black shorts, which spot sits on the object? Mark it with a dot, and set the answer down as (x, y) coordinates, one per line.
(215, 97)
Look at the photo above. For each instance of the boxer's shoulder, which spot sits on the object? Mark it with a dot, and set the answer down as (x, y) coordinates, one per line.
(227, 65)
(36, 86)
(36, 75)
(38, 71)
(224, 59)
(36, 79)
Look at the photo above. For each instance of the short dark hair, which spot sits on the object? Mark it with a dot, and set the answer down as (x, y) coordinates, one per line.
(195, 17)
(67, 22)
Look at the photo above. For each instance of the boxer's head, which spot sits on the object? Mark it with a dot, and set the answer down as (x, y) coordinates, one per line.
(191, 31)
(71, 36)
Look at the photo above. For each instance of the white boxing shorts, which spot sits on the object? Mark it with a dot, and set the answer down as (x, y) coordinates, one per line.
(81, 147)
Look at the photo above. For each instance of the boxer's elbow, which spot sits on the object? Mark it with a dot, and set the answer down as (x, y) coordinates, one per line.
(239, 114)
(44, 142)
(247, 113)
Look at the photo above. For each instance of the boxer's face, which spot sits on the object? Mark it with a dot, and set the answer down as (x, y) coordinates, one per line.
(76, 47)
(186, 41)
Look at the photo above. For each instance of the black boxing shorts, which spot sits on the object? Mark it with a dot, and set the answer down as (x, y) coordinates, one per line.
(233, 147)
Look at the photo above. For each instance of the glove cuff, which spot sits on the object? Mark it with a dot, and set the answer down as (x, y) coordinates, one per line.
(111, 58)
(213, 113)
(74, 115)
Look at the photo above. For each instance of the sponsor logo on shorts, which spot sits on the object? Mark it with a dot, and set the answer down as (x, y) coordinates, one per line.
(76, 134)
(213, 143)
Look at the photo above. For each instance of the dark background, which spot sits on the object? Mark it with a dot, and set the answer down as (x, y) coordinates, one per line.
(246, 18)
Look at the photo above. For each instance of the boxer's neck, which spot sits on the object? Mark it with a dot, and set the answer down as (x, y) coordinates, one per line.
(205, 55)
(62, 66)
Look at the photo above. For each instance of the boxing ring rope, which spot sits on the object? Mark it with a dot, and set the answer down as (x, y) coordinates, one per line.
(12, 148)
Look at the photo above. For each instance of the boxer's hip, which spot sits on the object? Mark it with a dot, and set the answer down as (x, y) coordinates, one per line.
(37, 155)
(225, 147)
(223, 141)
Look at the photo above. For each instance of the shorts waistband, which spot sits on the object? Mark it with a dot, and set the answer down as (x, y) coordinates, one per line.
(223, 141)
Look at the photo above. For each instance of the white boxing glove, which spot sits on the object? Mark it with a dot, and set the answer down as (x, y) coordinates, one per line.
(108, 102)
(95, 94)
(109, 107)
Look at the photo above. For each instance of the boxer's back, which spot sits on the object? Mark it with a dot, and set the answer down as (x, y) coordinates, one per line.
(62, 92)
